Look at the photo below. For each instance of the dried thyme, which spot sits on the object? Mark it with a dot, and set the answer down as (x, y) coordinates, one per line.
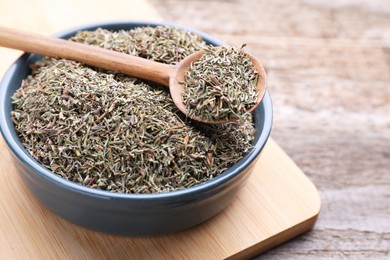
(117, 133)
(162, 44)
(221, 85)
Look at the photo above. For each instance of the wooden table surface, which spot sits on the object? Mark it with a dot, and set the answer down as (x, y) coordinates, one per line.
(329, 77)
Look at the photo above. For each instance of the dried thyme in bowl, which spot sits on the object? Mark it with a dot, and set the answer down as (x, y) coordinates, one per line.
(221, 85)
(117, 133)
(162, 44)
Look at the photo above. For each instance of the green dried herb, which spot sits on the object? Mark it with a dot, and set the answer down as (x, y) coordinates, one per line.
(112, 132)
(162, 44)
(221, 85)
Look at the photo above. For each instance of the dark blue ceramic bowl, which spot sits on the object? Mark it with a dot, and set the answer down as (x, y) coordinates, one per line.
(126, 214)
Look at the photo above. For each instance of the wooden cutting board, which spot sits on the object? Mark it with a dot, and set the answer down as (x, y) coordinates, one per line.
(278, 202)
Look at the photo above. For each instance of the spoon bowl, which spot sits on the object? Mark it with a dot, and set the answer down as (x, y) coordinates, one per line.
(171, 76)
(177, 88)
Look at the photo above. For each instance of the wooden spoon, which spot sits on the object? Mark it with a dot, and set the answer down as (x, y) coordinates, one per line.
(171, 76)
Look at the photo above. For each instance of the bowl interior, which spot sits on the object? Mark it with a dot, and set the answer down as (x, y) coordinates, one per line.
(20, 69)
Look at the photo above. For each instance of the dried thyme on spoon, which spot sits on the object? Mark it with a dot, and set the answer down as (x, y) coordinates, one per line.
(221, 85)
(112, 132)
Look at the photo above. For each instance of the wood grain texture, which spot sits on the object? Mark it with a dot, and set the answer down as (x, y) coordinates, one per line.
(277, 203)
(328, 65)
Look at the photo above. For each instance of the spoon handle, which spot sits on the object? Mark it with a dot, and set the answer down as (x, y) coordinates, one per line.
(87, 54)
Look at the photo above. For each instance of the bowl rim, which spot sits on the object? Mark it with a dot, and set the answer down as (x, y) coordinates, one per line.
(9, 134)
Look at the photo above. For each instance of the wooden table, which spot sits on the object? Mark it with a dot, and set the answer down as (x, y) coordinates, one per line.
(278, 202)
(329, 75)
